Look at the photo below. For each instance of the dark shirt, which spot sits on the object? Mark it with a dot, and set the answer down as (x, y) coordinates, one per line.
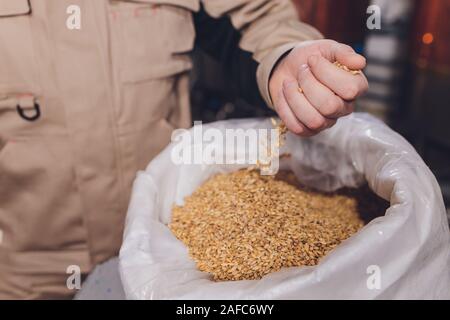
(220, 40)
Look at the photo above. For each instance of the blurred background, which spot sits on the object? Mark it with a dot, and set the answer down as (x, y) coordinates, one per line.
(408, 70)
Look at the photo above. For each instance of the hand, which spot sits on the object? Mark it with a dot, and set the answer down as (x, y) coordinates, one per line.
(326, 93)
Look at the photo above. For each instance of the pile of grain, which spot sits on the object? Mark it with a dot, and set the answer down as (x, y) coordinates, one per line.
(243, 225)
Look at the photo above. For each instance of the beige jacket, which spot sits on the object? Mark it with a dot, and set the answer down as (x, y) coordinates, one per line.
(81, 111)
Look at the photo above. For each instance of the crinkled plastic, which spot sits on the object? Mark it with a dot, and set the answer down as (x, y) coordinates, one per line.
(401, 255)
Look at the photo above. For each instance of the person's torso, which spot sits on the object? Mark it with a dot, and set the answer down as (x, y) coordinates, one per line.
(90, 91)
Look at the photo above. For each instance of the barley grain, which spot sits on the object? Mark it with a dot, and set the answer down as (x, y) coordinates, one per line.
(345, 68)
(243, 225)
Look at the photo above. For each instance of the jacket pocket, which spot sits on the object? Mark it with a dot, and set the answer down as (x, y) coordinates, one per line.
(151, 41)
(17, 59)
(151, 38)
(11, 8)
(39, 206)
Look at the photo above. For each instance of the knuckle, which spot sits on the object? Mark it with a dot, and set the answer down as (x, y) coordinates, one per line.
(346, 47)
(350, 91)
(317, 123)
(298, 130)
(327, 43)
(332, 106)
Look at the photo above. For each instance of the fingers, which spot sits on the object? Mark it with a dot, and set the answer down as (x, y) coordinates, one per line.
(303, 110)
(327, 90)
(288, 117)
(344, 84)
(323, 99)
(344, 54)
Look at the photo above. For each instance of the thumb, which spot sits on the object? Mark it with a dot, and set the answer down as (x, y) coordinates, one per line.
(345, 55)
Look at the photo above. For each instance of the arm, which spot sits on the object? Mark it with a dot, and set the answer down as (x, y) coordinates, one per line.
(290, 55)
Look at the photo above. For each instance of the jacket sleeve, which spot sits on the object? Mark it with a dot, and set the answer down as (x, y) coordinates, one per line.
(269, 29)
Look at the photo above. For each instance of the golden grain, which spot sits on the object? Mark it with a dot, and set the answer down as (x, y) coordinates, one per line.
(345, 68)
(243, 225)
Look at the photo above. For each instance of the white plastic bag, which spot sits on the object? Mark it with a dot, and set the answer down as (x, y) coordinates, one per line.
(404, 254)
